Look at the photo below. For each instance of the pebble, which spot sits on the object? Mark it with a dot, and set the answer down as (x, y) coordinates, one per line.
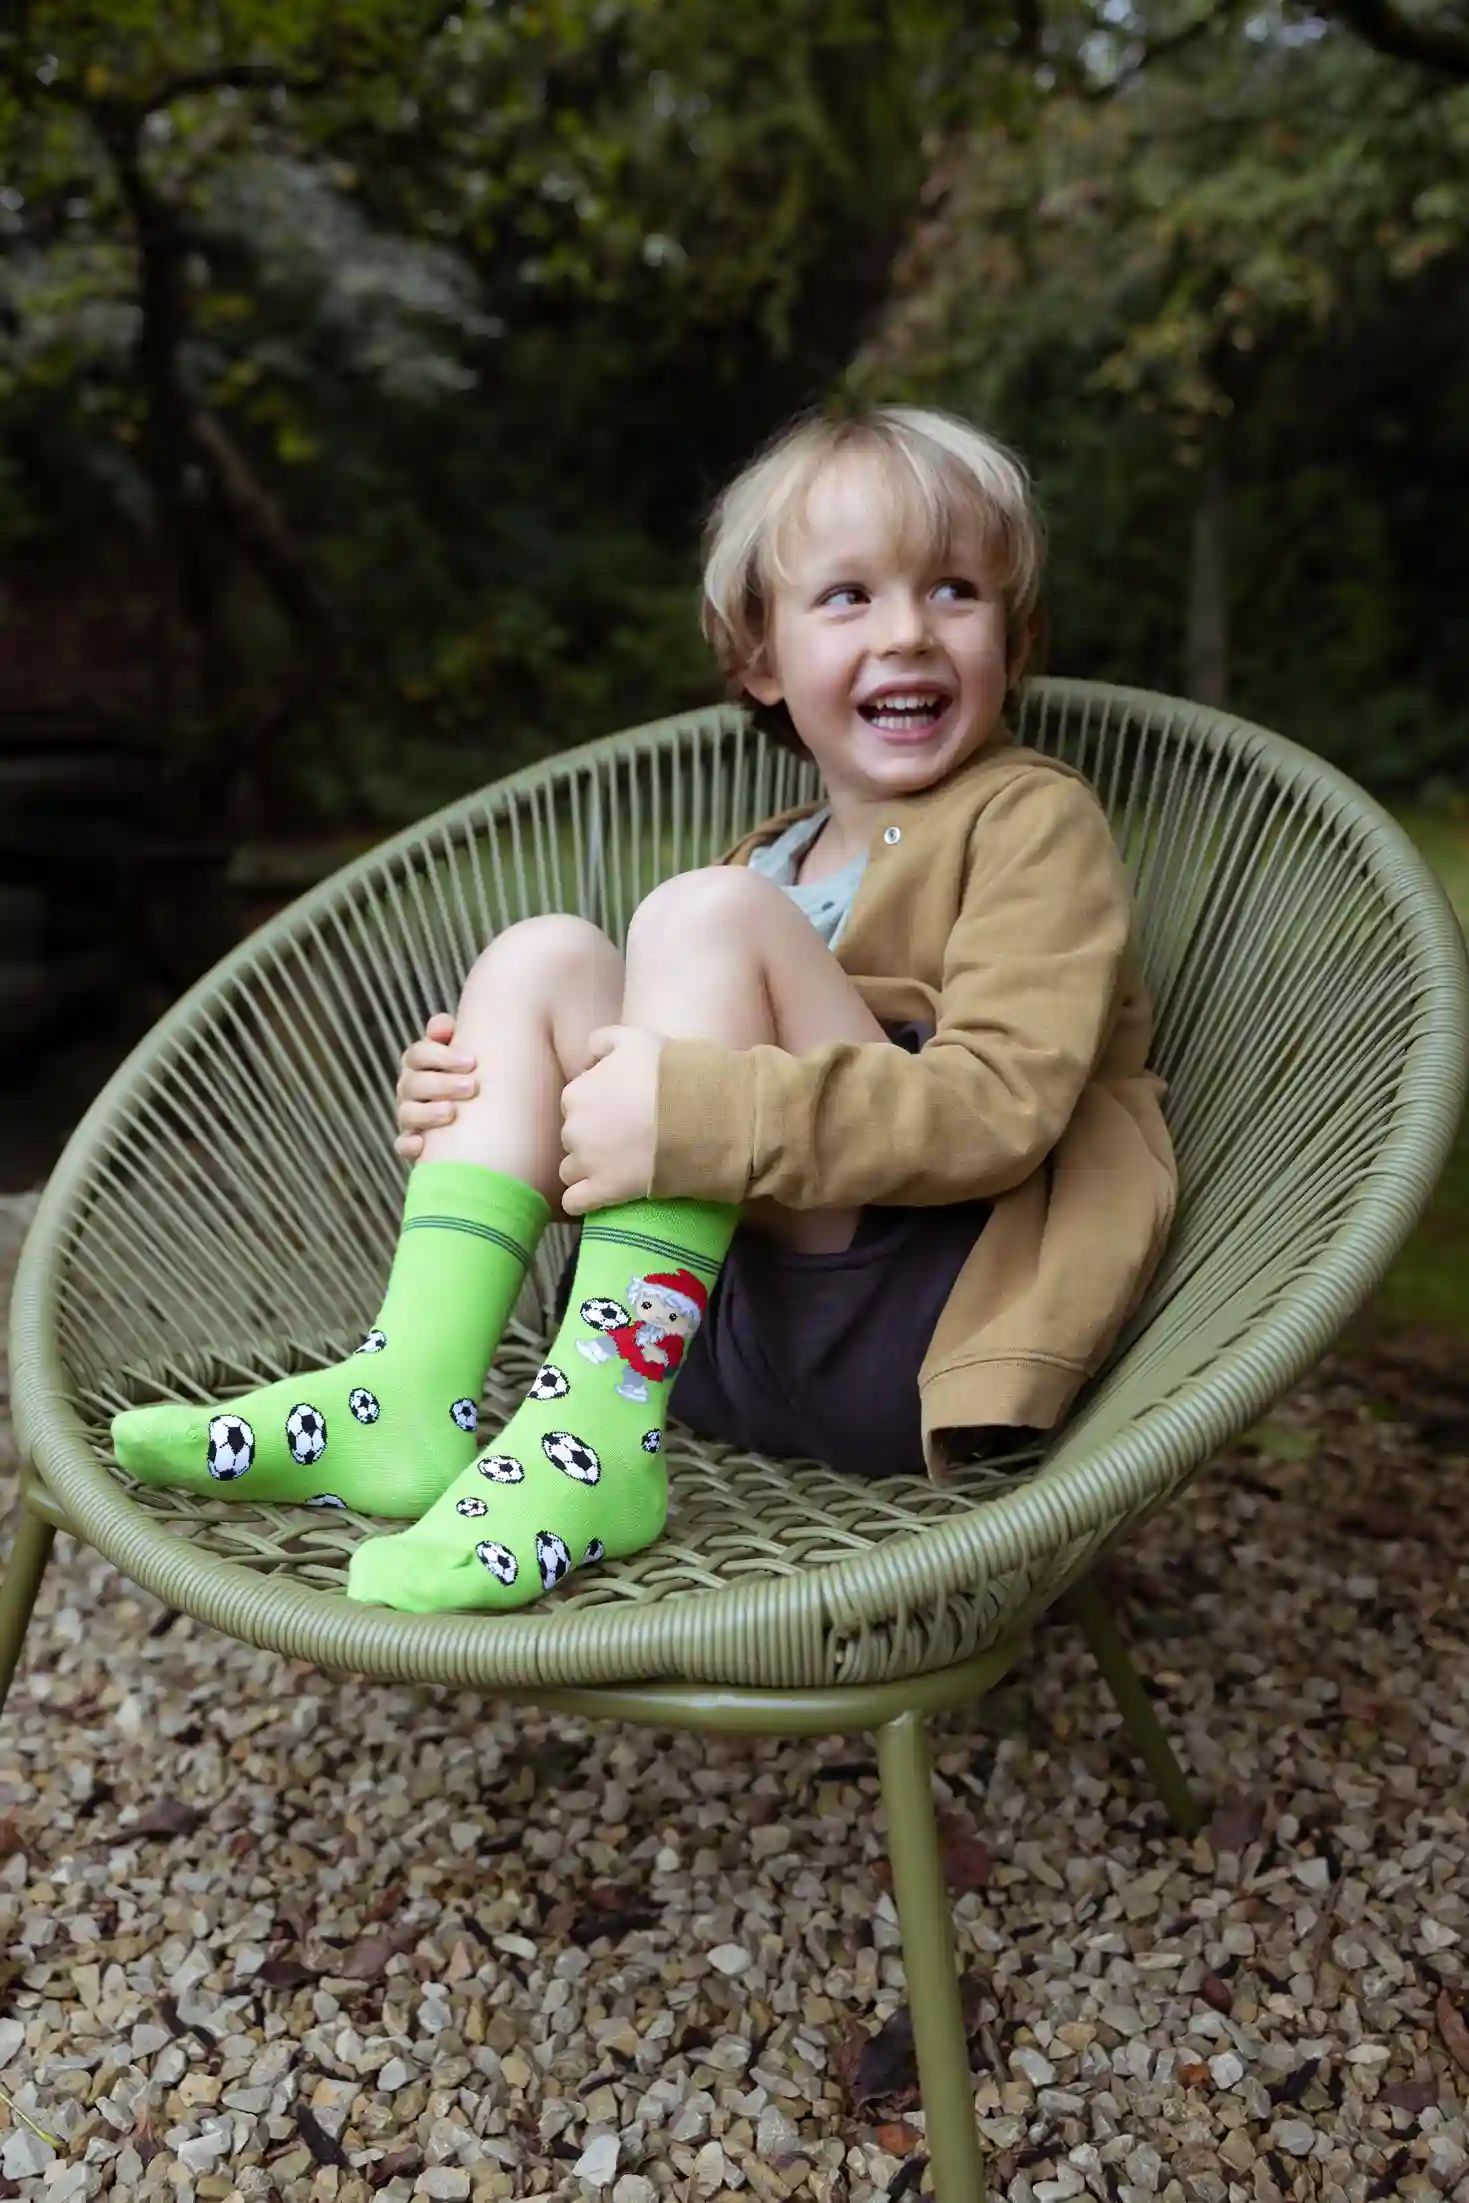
(25, 2154)
(463, 1853)
(597, 2164)
(730, 1958)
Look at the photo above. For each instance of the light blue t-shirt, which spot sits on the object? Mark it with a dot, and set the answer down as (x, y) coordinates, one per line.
(827, 903)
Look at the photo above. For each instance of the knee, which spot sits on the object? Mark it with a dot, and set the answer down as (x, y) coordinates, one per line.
(720, 899)
(540, 953)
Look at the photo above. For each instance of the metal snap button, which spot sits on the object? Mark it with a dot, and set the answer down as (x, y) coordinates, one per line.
(894, 833)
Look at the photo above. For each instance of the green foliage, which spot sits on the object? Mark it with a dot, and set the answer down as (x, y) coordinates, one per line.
(488, 301)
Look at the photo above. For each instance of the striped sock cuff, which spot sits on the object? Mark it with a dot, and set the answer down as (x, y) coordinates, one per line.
(487, 1232)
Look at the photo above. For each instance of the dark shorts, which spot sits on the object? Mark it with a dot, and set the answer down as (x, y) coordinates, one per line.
(817, 1355)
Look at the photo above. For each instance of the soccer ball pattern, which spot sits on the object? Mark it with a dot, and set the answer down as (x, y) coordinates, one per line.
(572, 1456)
(364, 1405)
(326, 1499)
(604, 1315)
(550, 1383)
(499, 1560)
(502, 1468)
(652, 1441)
(595, 1551)
(553, 1558)
(373, 1343)
(465, 1413)
(231, 1447)
(306, 1434)
(471, 1506)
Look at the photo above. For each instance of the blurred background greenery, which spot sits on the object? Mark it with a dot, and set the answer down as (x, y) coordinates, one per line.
(365, 374)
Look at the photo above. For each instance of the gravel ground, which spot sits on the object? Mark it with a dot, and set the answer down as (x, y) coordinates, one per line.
(272, 1934)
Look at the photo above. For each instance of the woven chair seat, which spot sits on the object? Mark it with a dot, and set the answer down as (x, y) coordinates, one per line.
(228, 1209)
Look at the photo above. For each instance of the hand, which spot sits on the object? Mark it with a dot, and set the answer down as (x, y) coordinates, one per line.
(432, 1079)
(609, 1121)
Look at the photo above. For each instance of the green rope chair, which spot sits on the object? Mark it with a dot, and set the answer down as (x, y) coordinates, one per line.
(226, 1213)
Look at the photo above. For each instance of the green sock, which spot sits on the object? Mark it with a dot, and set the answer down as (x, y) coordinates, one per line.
(386, 1430)
(577, 1474)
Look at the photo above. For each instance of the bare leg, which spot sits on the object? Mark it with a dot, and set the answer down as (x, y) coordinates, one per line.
(723, 955)
(528, 1007)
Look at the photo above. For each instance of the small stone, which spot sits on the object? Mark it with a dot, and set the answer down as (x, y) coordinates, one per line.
(12, 2035)
(1294, 2136)
(1237, 2149)
(730, 1958)
(633, 2188)
(393, 2076)
(1034, 2068)
(711, 2170)
(597, 2164)
(445, 2183)
(1227, 2069)
(25, 2156)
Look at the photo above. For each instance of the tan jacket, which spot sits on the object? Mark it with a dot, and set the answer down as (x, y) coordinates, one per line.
(995, 906)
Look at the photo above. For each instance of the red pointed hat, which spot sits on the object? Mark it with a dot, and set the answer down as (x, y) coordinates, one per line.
(681, 1286)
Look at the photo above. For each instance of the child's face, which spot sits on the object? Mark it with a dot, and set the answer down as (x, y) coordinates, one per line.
(864, 621)
(652, 1308)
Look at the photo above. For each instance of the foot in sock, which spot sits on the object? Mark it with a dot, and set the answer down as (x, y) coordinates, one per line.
(385, 1431)
(577, 1475)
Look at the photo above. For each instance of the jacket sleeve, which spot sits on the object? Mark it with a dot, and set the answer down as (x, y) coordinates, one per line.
(1030, 981)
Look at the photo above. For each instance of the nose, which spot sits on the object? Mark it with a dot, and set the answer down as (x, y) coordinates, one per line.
(905, 629)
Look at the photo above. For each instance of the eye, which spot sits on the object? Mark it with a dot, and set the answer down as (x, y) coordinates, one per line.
(842, 589)
(957, 583)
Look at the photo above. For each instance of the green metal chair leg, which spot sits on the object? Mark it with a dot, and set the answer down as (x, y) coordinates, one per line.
(23, 1572)
(1135, 1707)
(928, 1957)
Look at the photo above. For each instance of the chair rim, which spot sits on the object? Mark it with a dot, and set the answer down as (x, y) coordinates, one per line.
(773, 1630)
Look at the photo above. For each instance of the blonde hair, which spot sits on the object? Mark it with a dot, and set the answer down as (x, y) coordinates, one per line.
(942, 472)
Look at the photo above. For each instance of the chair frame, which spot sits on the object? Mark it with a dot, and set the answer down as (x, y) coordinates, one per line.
(1097, 1486)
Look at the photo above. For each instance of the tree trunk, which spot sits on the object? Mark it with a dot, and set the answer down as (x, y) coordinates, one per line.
(1206, 666)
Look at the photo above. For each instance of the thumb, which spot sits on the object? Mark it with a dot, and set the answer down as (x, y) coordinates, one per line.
(602, 1042)
(440, 1027)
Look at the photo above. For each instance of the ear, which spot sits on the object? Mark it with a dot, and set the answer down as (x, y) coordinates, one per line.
(764, 685)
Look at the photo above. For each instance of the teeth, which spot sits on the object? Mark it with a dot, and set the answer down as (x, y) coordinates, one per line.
(919, 700)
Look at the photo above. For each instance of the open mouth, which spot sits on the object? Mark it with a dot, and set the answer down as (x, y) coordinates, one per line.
(906, 711)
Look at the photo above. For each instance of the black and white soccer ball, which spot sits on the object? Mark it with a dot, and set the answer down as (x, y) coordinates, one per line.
(365, 1405)
(465, 1413)
(502, 1468)
(326, 1499)
(231, 1447)
(549, 1383)
(471, 1506)
(373, 1343)
(499, 1560)
(553, 1558)
(572, 1456)
(595, 1551)
(652, 1441)
(604, 1315)
(306, 1433)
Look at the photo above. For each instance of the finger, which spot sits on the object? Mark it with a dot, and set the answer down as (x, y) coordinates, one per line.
(436, 1086)
(419, 1116)
(409, 1145)
(440, 1026)
(578, 1200)
(604, 1040)
(432, 1055)
(569, 1171)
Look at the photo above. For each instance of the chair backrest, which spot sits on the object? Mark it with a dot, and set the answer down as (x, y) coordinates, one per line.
(237, 1181)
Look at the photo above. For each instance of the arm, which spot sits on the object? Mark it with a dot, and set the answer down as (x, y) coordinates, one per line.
(1028, 995)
